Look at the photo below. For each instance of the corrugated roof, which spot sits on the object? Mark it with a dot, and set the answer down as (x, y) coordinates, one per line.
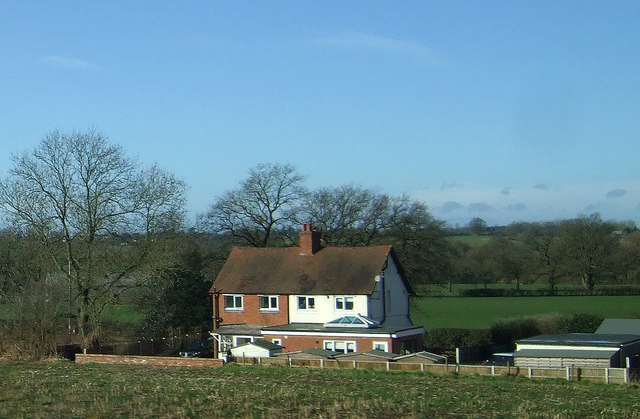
(330, 271)
(424, 354)
(372, 353)
(565, 353)
(619, 326)
(582, 339)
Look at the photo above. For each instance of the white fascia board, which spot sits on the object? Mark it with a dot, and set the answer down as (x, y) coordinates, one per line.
(326, 334)
(401, 334)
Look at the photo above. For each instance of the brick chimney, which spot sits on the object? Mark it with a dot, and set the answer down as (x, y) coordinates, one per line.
(309, 240)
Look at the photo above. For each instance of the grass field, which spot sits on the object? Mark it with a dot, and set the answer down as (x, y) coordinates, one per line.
(63, 389)
(482, 312)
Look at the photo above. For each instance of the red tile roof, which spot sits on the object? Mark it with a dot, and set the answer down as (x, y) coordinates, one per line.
(330, 271)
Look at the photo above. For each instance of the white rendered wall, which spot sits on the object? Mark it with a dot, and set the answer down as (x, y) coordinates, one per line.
(325, 308)
(396, 295)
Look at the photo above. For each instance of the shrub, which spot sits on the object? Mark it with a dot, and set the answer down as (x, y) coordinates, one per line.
(507, 332)
(580, 323)
(39, 313)
(450, 338)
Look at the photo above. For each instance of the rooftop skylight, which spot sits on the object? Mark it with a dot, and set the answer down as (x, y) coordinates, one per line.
(352, 321)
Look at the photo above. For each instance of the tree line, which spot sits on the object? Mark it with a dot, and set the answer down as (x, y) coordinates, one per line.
(585, 250)
(85, 225)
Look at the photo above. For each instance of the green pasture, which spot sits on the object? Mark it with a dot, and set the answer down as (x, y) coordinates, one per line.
(482, 312)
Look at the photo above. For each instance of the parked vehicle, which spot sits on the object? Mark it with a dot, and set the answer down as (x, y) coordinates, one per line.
(501, 359)
(199, 349)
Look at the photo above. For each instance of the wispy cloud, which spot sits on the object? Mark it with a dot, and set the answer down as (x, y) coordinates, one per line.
(361, 40)
(68, 63)
(517, 207)
(450, 185)
(456, 202)
(479, 207)
(451, 206)
(541, 186)
(616, 193)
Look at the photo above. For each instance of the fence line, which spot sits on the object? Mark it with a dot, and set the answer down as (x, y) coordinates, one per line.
(602, 375)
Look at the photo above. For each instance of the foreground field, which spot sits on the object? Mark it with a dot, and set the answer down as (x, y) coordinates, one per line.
(482, 312)
(64, 389)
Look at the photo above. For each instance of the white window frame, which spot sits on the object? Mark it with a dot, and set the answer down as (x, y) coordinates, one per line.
(235, 340)
(277, 341)
(270, 299)
(235, 301)
(343, 301)
(332, 345)
(381, 346)
(307, 300)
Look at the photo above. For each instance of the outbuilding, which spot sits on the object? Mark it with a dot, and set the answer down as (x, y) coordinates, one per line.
(423, 357)
(577, 350)
(256, 349)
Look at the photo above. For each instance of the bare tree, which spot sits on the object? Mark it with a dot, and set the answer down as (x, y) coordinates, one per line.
(347, 215)
(99, 216)
(267, 200)
(588, 241)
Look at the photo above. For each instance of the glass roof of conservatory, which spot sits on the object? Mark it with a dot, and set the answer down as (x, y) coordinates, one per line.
(352, 321)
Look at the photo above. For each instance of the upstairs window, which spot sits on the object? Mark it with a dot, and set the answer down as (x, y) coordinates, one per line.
(344, 303)
(233, 302)
(306, 303)
(268, 302)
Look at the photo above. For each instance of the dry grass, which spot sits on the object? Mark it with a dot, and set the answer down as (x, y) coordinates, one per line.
(64, 389)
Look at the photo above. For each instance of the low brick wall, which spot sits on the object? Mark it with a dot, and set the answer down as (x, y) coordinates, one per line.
(163, 361)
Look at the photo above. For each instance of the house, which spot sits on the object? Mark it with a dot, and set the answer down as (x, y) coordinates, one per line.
(256, 349)
(577, 350)
(344, 299)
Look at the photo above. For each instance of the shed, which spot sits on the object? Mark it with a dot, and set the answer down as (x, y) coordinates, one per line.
(577, 350)
(423, 357)
(256, 349)
(619, 327)
(373, 355)
(312, 353)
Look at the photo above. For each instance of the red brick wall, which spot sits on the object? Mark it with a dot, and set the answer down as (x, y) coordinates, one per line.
(297, 343)
(252, 315)
(148, 360)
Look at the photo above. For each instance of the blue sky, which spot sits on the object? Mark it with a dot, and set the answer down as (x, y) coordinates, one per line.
(505, 110)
